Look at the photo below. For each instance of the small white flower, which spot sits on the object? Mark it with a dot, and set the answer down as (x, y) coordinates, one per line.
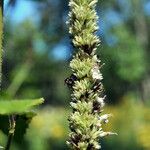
(96, 73)
(104, 118)
(73, 105)
(97, 146)
(67, 142)
(106, 121)
(99, 124)
(101, 101)
(96, 59)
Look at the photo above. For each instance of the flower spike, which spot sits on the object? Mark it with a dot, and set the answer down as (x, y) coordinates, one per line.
(85, 82)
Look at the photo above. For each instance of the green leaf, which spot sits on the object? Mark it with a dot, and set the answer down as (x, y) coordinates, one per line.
(18, 106)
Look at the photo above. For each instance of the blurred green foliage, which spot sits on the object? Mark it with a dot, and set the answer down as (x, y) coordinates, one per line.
(130, 121)
(124, 50)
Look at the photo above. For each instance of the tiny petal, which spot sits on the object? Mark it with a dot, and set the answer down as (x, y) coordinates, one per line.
(67, 142)
(106, 121)
(99, 124)
(104, 117)
(97, 146)
(96, 73)
(96, 59)
(101, 101)
(107, 133)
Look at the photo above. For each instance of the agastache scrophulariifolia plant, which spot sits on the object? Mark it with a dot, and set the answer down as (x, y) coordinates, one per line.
(87, 102)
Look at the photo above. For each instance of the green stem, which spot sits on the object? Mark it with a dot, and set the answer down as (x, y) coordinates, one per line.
(1, 34)
(12, 121)
(9, 142)
(11, 131)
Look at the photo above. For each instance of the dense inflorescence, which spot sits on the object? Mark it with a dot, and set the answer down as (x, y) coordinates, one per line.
(85, 82)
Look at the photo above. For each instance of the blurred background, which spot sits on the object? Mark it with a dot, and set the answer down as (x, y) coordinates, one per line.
(37, 52)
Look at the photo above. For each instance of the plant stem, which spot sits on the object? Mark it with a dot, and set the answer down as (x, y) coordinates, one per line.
(11, 131)
(12, 121)
(1, 35)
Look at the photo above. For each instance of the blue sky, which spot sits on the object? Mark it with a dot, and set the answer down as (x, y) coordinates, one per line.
(24, 9)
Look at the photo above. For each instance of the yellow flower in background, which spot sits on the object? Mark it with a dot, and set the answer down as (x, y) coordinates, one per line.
(57, 131)
(52, 126)
(143, 136)
(49, 124)
(37, 122)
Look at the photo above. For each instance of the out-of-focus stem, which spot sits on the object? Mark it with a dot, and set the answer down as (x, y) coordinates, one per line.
(1, 35)
(12, 123)
(12, 117)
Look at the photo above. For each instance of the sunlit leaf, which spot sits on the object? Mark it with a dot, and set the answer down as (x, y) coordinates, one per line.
(18, 106)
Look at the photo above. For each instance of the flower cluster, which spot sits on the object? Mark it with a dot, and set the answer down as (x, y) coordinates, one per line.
(85, 82)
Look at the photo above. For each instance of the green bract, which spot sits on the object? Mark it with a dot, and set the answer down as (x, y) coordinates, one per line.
(8, 107)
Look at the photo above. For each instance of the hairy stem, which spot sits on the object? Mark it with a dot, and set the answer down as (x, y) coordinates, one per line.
(12, 123)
